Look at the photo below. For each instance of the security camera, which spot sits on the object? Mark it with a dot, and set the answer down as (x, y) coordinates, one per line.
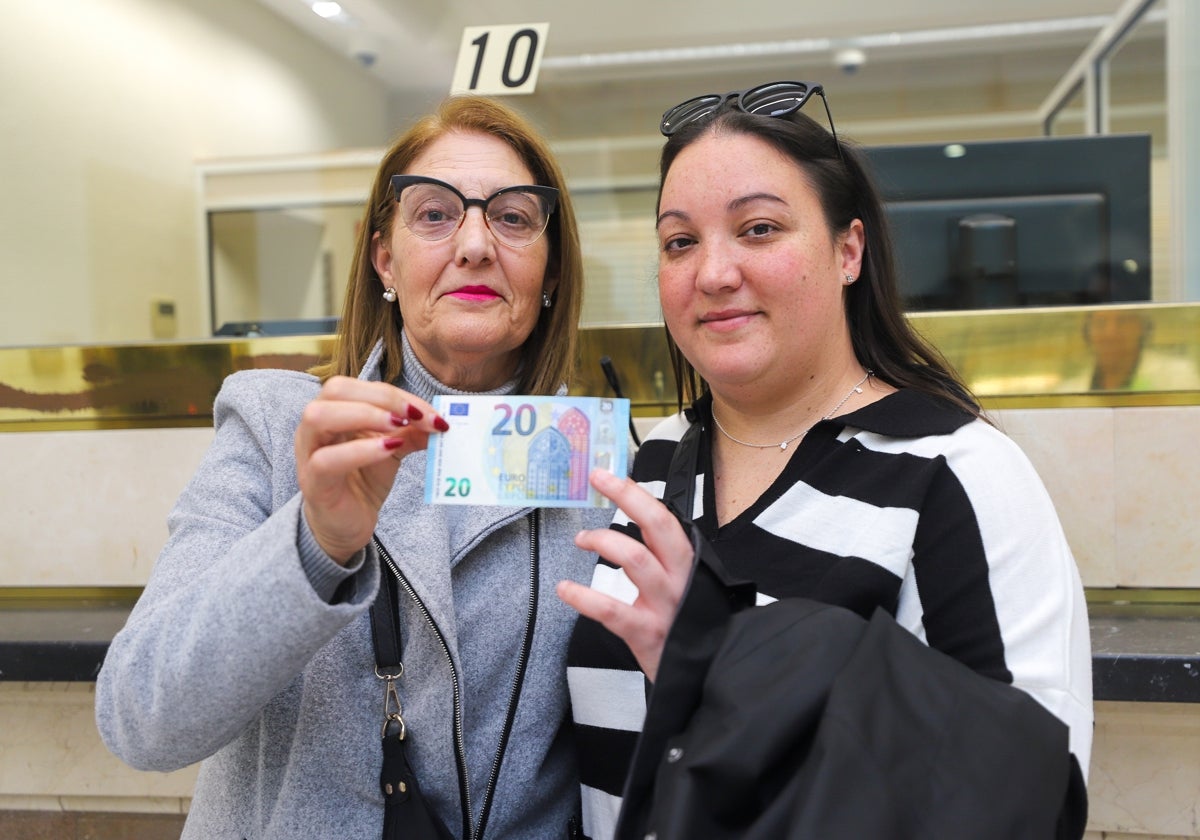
(364, 48)
(849, 59)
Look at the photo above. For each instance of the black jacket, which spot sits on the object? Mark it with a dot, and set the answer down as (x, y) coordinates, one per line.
(802, 720)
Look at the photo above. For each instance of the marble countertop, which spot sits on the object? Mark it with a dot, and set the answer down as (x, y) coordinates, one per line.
(1140, 652)
(58, 641)
(1146, 652)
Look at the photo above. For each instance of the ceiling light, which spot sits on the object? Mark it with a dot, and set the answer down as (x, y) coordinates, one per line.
(327, 9)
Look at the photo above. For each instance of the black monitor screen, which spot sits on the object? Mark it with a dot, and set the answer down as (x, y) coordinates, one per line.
(1038, 222)
(297, 326)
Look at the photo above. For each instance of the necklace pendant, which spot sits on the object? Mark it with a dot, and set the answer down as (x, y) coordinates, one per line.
(783, 445)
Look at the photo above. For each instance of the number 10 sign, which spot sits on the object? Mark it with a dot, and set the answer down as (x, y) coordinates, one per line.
(499, 59)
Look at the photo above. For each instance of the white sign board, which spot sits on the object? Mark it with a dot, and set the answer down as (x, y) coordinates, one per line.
(498, 60)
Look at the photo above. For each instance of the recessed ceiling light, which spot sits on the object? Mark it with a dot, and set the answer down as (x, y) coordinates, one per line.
(327, 9)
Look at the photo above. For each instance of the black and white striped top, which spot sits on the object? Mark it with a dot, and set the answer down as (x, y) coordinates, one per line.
(906, 504)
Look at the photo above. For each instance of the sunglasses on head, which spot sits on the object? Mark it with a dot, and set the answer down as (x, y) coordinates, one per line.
(772, 99)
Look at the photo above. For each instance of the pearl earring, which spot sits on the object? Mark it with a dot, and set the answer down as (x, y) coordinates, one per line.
(389, 294)
(546, 300)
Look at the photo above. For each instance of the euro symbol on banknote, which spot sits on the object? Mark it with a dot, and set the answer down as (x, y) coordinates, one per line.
(525, 451)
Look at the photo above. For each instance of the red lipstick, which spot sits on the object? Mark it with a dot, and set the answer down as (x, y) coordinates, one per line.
(474, 293)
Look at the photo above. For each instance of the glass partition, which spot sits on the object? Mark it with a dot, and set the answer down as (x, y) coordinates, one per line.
(1039, 221)
(620, 256)
(272, 267)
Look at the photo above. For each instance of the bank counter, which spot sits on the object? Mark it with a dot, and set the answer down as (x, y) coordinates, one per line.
(99, 440)
(1145, 645)
(1146, 638)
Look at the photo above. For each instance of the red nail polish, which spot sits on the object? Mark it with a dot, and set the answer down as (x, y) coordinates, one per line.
(440, 424)
(397, 420)
(415, 413)
(392, 443)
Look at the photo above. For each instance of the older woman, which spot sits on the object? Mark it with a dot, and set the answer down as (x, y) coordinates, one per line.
(837, 459)
(251, 648)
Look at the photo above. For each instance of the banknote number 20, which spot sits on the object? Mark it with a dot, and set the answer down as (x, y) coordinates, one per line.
(523, 419)
(460, 487)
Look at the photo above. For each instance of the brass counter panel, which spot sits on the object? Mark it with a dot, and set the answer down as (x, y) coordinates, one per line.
(1010, 358)
(1013, 358)
(137, 385)
(57, 597)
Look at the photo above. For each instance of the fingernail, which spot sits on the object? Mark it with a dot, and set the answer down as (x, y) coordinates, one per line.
(393, 443)
(440, 424)
(397, 420)
(415, 413)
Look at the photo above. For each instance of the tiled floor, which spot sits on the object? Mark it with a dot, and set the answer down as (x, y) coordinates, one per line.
(66, 825)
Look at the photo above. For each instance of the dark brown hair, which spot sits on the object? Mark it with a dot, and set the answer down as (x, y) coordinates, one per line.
(883, 339)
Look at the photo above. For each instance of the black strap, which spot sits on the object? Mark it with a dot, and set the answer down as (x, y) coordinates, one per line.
(385, 622)
(680, 492)
(406, 815)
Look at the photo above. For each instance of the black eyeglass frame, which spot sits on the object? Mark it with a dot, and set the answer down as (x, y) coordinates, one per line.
(548, 195)
(751, 100)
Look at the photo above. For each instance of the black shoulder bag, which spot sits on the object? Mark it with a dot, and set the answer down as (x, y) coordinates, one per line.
(406, 813)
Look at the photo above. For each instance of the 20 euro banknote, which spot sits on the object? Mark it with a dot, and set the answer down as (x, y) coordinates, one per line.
(525, 450)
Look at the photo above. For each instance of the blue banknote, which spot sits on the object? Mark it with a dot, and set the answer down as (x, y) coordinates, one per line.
(518, 450)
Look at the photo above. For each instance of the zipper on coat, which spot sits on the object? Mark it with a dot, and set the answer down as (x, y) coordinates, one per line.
(518, 678)
(460, 750)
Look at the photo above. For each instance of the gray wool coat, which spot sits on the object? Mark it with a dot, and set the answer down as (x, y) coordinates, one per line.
(250, 651)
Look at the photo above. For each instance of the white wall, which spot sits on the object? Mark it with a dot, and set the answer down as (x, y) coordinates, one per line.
(107, 107)
(1122, 479)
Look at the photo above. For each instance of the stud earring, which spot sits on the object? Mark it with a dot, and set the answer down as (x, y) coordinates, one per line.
(546, 302)
(389, 294)
(850, 278)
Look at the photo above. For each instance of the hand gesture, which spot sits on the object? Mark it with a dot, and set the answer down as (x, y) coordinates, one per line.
(349, 445)
(659, 568)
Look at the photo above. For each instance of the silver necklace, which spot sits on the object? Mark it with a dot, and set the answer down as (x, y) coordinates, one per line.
(783, 445)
